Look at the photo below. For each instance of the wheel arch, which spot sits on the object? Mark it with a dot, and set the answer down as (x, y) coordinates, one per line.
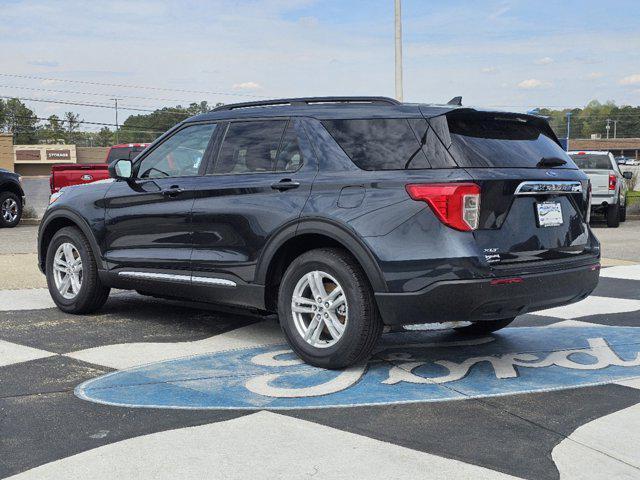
(301, 237)
(12, 187)
(60, 219)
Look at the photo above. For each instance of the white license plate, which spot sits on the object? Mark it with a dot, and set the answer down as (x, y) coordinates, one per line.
(549, 214)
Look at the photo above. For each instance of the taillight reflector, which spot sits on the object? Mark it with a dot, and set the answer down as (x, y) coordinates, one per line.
(455, 204)
(612, 181)
(506, 281)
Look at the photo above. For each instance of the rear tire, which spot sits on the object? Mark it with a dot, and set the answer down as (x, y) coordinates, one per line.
(613, 216)
(89, 294)
(489, 326)
(337, 345)
(10, 209)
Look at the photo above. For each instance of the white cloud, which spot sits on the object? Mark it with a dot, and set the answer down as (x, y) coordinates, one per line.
(489, 70)
(631, 80)
(595, 75)
(499, 12)
(532, 83)
(44, 63)
(247, 86)
(544, 61)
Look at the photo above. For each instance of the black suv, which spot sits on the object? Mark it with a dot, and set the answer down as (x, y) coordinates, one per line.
(340, 214)
(12, 199)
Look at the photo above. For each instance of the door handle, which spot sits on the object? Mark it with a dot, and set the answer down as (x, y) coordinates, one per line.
(285, 184)
(172, 191)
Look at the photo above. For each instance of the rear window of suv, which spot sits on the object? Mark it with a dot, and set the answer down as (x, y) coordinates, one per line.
(389, 144)
(490, 140)
(592, 162)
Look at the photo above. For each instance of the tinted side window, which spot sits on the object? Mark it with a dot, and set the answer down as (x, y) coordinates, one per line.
(178, 156)
(379, 144)
(289, 156)
(250, 147)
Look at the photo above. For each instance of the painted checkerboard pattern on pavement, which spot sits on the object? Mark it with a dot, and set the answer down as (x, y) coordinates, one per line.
(562, 401)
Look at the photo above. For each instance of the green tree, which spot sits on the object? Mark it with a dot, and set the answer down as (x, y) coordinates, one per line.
(17, 118)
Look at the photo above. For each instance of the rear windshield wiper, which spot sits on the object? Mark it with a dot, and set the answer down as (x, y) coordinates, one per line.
(551, 162)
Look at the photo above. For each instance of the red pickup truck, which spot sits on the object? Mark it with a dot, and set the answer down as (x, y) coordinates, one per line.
(67, 174)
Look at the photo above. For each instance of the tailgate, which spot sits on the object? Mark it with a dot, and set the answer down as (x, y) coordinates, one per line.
(73, 174)
(599, 182)
(534, 199)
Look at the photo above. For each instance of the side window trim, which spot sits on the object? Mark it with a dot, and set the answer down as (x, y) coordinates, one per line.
(168, 135)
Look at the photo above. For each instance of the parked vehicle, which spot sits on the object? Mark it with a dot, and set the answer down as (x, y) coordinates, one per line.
(66, 175)
(341, 215)
(609, 189)
(12, 198)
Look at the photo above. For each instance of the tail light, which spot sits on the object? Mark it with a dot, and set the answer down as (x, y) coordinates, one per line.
(457, 205)
(612, 181)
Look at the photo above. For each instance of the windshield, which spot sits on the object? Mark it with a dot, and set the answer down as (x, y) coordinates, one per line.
(123, 152)
(490, 140)
(592, 162)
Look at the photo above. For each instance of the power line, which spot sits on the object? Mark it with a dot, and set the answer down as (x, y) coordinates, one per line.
(72, 92)
(122, 85)
(61, 120)
(99, 105)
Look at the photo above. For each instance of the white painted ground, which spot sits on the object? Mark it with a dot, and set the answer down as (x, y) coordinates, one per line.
(127, 355)
(25, 299)
(263, 445)
(615, 435)
(625, 272)
(592, 306)
(12, 353)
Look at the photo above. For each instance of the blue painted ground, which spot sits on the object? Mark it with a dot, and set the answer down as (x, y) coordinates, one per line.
(409, 367)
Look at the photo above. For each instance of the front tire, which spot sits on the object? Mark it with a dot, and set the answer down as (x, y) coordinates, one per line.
(72, 273)
(613, 216)
(487, 326)
(10, 209)
(623, 213)
(327, 309)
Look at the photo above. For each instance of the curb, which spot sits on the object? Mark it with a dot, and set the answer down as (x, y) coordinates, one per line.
(30, 221)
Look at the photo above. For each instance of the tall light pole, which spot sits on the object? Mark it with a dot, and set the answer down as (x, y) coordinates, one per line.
(399, 90)
(608, 127)
(568, 129)
(615, 129)
(117, 127)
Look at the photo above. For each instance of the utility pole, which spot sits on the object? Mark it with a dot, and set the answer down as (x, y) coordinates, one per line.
(615, 129)
(608, 127)
(568, 129)
(399, 89)
(117, 127)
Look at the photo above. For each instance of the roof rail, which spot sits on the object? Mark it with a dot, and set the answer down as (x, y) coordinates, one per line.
(307, 101)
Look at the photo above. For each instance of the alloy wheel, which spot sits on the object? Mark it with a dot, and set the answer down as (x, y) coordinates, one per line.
(9, 210)
(67, 270)
(319, 308)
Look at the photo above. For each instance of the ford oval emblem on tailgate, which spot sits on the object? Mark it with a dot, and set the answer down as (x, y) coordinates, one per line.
(551, 173)
(86, 178)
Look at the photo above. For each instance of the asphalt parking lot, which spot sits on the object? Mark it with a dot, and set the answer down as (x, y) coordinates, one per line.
(156, 389)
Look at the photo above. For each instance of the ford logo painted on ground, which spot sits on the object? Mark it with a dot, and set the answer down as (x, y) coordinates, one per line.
(408, 367)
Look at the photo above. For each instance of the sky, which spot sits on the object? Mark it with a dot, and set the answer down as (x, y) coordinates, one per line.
(507, 54)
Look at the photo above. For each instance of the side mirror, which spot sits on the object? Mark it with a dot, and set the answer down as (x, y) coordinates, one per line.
(627, 175)
(121, 169)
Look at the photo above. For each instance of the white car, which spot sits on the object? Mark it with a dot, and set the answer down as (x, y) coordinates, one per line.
(608, 188)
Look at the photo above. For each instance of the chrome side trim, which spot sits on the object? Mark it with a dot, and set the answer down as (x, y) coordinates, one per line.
(548, 187)
(213, 281)
(179, 278)
(156, 276)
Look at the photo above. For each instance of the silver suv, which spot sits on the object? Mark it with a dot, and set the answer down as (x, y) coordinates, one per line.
(609, 190)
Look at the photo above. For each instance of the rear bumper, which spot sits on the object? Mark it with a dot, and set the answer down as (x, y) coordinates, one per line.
(488, 299)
